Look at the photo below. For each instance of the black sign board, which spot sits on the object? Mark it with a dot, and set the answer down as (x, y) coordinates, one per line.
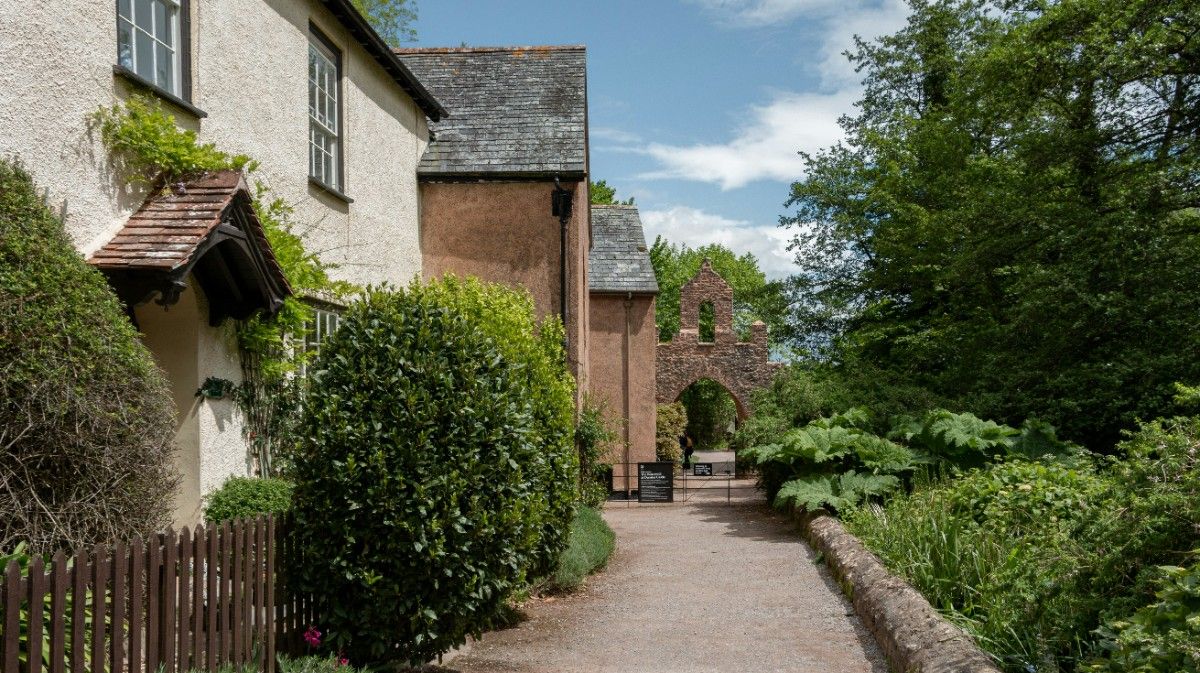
(656, 482)
(702, 469)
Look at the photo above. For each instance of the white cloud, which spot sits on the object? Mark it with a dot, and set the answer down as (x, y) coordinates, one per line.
(764, 12)
(695, 227)
(765, 148)
(613, 135)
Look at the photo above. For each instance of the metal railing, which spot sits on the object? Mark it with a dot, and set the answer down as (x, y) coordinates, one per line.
(719, 483)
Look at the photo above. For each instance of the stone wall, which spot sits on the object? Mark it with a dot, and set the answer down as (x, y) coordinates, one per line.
(740, 366)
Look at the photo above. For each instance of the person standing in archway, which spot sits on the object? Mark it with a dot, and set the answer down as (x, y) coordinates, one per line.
(689, 448)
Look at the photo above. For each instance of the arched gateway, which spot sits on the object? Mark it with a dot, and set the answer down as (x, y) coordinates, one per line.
(739, 366)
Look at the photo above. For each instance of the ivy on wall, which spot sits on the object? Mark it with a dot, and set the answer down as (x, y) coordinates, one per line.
(149, 148)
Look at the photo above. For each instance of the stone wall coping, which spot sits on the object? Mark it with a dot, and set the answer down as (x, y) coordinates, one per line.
(914, 637)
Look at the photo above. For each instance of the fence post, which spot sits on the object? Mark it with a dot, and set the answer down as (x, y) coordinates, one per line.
(58, 606)
(37, 591)
(12, 614)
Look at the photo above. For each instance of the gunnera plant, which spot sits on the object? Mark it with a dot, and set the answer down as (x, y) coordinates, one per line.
(416, 510)
(86, 419)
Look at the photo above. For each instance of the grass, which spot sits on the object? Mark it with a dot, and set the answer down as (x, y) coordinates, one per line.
(590, 544)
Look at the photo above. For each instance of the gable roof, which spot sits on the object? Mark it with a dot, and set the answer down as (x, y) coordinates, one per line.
(517, 112)
(362, 32)
(206, 226)
(619, 261)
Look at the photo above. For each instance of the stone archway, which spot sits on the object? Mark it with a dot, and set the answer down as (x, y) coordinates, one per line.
(739, 366)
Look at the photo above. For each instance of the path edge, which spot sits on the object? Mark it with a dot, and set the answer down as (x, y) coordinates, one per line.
(912, 635)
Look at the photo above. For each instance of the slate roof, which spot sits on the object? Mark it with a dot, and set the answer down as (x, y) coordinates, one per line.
(171, 227)
(619, 261)
(514, 111)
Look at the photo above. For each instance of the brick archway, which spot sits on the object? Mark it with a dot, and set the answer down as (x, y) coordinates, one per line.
(739, 366)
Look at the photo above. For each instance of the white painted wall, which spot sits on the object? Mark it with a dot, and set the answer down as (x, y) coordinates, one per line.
(249, 75)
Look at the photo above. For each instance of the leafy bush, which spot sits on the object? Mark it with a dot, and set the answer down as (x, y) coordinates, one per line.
(594, 438)
(432, 470)
(241, 497)
(589, 546)
(832, 462)
(670, 425)
(1031, 557)
(86, 418)
(1163, 637)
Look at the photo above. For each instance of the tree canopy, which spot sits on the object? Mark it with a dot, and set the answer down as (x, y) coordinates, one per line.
(1012, 219)
(603, 195)
(392, 19)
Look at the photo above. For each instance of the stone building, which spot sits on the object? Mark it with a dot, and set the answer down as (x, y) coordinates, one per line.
(517, 136)
(739, 366)
(622, 290)
(305, 87)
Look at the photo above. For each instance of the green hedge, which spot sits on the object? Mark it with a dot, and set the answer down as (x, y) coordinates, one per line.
(86, 417)
(434, 476)
(242, 497)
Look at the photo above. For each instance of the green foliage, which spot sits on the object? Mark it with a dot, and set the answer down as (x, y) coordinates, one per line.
(839, 493)
(1012, 220)
(595, 440)
(710, 412)
(392, 19)
(671, 423)
(87, 423)
(1033, 557)
(962, 440)
(432, 471)
(148, 143)
(246, 497)
(832, 462)
(311, 664)
(603, 195)
(590, 544)
(1163, 637)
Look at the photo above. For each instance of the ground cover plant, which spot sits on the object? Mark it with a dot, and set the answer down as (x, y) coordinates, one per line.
(590, 544)
(432, 473)
(86, 419)
(1056, 564)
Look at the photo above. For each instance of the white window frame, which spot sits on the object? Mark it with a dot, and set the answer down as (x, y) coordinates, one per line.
(169, 37)
(325, 321)
(324, 112)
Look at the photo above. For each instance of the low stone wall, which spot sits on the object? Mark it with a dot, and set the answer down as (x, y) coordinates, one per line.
(913, 636)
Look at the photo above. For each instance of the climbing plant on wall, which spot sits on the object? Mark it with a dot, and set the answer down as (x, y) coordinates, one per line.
(150, 149)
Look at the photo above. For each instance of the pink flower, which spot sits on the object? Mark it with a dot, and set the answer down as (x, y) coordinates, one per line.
(343, 661)
(312, 636)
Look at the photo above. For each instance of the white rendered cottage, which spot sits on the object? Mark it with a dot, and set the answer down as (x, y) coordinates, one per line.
(304, 87)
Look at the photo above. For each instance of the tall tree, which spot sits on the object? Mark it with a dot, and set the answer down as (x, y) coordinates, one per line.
(1013, 219)
(603, 195)
(392, 19)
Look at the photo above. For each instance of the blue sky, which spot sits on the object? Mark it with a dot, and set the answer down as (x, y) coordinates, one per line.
(697, 107)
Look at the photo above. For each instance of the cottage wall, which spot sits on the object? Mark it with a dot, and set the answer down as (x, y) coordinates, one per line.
(249, 72)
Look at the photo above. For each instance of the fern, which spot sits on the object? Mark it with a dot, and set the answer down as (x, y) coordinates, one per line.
(882, 456)
(964, 440)
(836, 493)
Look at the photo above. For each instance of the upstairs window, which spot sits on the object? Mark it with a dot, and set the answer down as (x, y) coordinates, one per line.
(324, 118)
(149, 42)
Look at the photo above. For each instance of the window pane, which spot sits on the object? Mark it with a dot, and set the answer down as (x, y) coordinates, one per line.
(142, 15)
(165, 75)
(145, 55)
(162, 29)
(125, 8)
(125, 44)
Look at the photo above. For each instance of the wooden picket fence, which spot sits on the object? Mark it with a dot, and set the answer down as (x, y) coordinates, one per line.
(174, 603)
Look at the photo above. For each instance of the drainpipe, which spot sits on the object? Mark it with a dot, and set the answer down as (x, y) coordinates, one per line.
(627, 353)
(561, 207)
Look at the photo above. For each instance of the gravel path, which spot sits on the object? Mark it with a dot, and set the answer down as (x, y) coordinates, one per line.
(691, 588)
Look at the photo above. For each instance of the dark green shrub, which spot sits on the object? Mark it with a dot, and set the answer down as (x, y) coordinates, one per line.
(594, 438)
(86, 419)
(423, 491)
(1163, 637)
(242, 497)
